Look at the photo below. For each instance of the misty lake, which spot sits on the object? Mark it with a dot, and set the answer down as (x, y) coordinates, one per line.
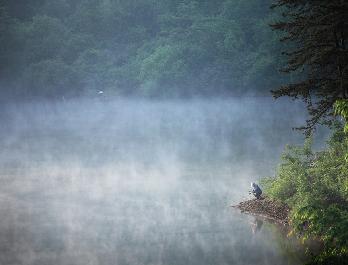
(141, 182)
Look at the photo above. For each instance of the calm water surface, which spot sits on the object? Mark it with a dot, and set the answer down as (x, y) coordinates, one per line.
(135, 182)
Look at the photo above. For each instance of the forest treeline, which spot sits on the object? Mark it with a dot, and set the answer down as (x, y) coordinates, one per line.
(315, 183)
(167, 48)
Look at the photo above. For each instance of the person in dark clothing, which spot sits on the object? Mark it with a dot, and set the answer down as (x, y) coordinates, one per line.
(255, 190)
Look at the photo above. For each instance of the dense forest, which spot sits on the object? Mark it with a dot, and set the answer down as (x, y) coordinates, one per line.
(168, 48)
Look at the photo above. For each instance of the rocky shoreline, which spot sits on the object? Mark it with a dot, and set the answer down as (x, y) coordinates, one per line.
(266, 208)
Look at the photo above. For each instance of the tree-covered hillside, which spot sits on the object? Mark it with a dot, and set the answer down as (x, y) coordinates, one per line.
(167, 48)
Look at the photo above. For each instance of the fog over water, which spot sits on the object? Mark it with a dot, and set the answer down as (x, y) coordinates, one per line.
(140, 182)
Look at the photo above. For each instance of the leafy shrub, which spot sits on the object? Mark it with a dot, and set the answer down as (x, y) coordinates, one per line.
(315, 186)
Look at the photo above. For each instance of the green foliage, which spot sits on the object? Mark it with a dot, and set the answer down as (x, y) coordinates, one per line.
(330, 257)
(50, 77)
(315, 185)
(142, 47)
(316, 33)
(341, 108)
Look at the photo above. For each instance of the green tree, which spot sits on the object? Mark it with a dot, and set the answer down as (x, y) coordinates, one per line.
(317, 33)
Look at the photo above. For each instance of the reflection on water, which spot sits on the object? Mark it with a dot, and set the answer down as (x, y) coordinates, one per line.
(130, 182)
(256, 225)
